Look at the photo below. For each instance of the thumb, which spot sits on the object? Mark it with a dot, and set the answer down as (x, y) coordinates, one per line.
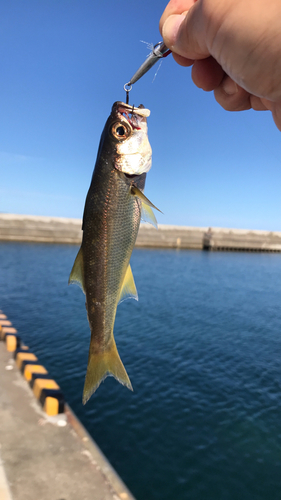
(184, 33)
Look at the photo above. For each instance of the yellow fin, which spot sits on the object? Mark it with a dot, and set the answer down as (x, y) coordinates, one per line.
(137, 192)
(128, 290)
(147, 215)
(77, 272)
(100, 365)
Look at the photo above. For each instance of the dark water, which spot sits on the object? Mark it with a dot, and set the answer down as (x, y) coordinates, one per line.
(202, 348)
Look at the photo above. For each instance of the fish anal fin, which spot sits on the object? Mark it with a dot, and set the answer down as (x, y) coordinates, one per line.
(147, 215)
(128, 290)
(137, 192)
(77, 272)
(101, 365)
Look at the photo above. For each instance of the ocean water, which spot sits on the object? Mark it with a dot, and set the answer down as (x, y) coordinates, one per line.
(202, 348)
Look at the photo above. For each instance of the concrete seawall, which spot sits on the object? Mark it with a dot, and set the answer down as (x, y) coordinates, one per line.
(63, 230)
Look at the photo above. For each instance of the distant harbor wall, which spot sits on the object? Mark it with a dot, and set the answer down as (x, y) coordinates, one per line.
(64, 230)
(40, 229)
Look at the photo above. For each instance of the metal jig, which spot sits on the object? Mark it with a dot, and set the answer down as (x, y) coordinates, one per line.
(158, 51)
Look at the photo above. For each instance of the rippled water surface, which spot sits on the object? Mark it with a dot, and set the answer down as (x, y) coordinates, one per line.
(202, 348)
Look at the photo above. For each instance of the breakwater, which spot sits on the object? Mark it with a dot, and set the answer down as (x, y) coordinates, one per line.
(64, 230)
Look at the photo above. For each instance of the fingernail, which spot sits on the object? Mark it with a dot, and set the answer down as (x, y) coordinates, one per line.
(171, 28)
(229, 86)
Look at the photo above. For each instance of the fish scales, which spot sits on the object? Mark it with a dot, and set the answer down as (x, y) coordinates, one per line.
(112, 214)
(113, 217)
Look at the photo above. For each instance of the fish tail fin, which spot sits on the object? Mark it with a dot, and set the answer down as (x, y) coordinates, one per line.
(100, 365)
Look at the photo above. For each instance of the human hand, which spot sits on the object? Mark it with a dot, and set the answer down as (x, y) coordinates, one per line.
(234, 47)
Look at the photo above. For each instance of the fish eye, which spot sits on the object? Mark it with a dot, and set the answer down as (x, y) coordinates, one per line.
(120, 131)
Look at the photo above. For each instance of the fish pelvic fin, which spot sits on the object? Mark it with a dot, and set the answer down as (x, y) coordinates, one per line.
(100, 365)
(77, 272)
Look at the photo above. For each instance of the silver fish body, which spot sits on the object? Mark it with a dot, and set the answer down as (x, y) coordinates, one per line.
(112, 215)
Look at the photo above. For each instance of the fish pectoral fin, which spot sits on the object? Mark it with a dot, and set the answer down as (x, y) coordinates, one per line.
(128, 290)
(102, 364)
(137, 192)
(77, 272)
(147, 215)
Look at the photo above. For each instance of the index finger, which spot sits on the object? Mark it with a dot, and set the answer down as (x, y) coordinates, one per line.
(175, 7)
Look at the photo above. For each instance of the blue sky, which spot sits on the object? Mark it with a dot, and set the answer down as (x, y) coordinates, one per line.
(64, 63)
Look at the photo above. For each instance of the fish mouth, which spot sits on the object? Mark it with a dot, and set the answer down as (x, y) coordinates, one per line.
(133, 115)
(122, 107)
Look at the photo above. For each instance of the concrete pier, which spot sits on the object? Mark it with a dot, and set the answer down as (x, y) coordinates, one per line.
(47, 458)
(242, 240)
(40, 229)
(63, 230)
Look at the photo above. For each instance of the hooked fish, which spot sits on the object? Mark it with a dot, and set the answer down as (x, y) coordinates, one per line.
(114, 206)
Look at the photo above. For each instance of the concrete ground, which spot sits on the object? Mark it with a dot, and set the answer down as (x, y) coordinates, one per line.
(47, 458)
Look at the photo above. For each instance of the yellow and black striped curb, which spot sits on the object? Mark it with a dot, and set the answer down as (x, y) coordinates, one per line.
(45, 389)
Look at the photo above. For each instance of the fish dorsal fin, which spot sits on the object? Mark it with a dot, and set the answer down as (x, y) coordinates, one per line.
(77, 272)
(137, 192)
(147, 215)
(128, 290)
